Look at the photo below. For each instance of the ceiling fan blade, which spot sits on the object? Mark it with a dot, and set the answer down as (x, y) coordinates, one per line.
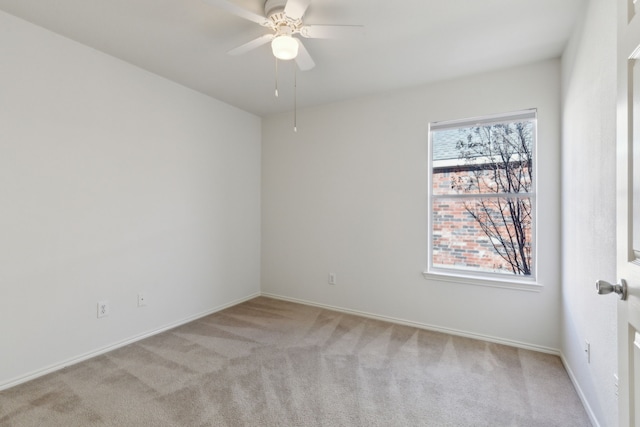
(304, 60)
(296, 8)
(238, 11)
(251, 45)
(330, 31)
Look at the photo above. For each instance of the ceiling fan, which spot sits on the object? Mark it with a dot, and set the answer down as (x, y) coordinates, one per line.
(285, 19)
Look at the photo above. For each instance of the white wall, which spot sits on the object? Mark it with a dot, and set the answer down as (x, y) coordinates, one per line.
(347, 194)
(114, 181)
(588, 207)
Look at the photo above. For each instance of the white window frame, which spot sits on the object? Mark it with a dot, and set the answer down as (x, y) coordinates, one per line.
(500, 280)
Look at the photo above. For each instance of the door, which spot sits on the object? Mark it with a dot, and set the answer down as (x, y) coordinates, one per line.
(628, 210)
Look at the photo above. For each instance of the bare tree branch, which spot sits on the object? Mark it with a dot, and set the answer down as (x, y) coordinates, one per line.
(498, 159)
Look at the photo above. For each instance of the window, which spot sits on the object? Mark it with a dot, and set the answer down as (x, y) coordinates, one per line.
(482, 197)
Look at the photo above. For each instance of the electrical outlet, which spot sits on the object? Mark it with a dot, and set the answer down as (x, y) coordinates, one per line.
(587, 350)
(332, 278)
(103, 309)
(142, 299)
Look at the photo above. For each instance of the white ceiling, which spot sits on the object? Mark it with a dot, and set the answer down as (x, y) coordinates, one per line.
(404, 43)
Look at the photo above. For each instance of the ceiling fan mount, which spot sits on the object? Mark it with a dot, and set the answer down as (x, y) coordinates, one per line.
(273, 7)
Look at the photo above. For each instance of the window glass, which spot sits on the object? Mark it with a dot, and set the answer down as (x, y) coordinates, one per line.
(482, 196)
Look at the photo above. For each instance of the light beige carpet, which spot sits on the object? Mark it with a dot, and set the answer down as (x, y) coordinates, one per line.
(273, 363)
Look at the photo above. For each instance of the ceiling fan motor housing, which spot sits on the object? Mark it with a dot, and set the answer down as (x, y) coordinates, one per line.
(278, 20)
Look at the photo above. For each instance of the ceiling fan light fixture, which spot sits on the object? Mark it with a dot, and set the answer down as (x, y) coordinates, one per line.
(284, 47)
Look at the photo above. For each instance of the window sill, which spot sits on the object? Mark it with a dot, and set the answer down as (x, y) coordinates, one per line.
(528, 286)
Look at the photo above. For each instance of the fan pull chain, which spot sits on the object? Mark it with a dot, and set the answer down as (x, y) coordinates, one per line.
(276, 77)
(295, 98)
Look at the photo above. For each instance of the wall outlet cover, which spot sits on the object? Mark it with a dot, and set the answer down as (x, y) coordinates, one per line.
(332, 278)
(103, 309)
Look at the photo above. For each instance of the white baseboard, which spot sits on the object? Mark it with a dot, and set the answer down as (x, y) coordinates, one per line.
(419, 325)
(77, 359)
(583, 398)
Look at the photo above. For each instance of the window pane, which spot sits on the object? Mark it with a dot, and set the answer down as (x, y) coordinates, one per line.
(483, 234)
(482, 195)
(483, 159)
